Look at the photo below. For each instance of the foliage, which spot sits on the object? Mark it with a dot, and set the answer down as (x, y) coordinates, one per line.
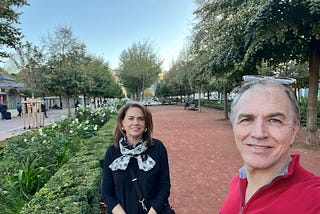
(62, 59)
(64, 50)
(139, 68)
(241, 35)
(10, 33)
(98, 80)
(27, 161)
(29, 60)
(214, 104)
(303, 104)
(75, 188)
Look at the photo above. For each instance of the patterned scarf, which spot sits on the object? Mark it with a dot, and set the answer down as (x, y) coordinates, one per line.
(145, 162)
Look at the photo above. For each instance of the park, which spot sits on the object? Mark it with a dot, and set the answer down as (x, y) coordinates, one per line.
(58, 101)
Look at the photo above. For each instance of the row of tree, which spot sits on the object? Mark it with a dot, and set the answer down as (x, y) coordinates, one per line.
(232, 38)
(61, 66)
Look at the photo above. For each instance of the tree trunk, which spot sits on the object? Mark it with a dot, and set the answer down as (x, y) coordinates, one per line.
(68, 105)
(60, 99)
(314, 66)
(199, 101)
(225, 102)
(84, 102)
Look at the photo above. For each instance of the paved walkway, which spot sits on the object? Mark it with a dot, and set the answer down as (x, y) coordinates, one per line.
(16, 126)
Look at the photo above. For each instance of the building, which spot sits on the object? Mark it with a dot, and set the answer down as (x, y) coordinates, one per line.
(10, 91)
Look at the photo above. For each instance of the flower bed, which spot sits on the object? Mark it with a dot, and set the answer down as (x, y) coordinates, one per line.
(28, 161)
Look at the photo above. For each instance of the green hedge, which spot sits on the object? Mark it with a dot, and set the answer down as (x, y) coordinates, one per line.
(75, 188)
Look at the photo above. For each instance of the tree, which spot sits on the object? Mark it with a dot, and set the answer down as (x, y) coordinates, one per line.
(10, 34)
(65, 55)
(289, 30)
(98, 80)
(30, 62)
(138, 68)
(246, 33)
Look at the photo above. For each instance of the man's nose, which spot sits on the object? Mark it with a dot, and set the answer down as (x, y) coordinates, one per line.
(259, 129)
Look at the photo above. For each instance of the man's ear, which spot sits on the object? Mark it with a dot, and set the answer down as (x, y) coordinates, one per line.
(296, 129)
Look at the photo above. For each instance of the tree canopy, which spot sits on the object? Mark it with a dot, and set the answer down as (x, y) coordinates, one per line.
(10, 33)
(139, 68)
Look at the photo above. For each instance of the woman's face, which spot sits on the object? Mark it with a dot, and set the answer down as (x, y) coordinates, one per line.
(134, 124)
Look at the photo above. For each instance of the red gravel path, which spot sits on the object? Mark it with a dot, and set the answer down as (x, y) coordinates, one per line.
(203, 157)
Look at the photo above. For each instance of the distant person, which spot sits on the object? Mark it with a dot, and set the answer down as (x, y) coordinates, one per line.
(265, 119)
(44, 108)
(76, 105)
(19, 109)
(186, 105)
(3, 110)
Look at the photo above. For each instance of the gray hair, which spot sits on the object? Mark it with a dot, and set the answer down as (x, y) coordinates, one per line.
(288, 90)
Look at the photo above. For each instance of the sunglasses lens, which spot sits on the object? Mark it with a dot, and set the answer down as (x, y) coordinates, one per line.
(282, 80)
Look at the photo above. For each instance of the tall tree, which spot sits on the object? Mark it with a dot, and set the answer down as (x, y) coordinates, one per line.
(30, 62)
(64, 50)
(65, 55)
(10, 33)
(247, 33)
(98, 80)
(286, 30)
(139, 68)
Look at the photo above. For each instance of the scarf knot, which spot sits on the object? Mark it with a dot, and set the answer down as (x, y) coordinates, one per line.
(145, 162)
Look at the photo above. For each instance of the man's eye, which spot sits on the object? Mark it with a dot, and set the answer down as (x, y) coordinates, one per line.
(246, 119)
(273, 120)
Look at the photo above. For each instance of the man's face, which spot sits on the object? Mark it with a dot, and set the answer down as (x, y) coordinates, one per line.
(264, 128)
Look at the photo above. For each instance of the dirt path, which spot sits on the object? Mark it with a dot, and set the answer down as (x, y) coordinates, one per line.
(203, 157)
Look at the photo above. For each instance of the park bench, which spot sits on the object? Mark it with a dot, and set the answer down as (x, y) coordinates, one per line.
(192, 107)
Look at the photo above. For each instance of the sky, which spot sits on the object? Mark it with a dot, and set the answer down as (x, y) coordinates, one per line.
(107, 27)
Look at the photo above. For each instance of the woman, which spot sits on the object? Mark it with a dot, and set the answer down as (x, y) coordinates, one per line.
(135, 150)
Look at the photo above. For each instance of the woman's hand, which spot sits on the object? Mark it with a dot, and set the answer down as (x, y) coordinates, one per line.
(118, 210)
(152, 211)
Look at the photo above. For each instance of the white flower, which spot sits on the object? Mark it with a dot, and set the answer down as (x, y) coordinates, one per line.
(25, 140)
(85, 128)
(95, 127)
(71, 131)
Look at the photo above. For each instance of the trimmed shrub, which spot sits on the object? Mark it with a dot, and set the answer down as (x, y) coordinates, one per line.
(75, 188)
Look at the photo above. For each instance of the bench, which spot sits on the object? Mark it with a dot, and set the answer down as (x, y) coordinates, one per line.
(192, 107)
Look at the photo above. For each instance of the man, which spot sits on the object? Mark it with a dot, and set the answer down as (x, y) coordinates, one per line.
(44, 108)
(19, 109)
(265, 119)
(3, 110)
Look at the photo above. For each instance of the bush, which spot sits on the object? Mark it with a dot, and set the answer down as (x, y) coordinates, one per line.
(303, 104)
(75, 188)
(214, 104)
(28, 161)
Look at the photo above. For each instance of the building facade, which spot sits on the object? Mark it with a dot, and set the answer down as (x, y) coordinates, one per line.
(10, 91)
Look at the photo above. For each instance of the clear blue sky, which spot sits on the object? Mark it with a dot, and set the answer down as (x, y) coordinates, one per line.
(107, 27)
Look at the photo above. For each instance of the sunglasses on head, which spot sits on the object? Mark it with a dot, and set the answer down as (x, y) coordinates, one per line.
(282, 80)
